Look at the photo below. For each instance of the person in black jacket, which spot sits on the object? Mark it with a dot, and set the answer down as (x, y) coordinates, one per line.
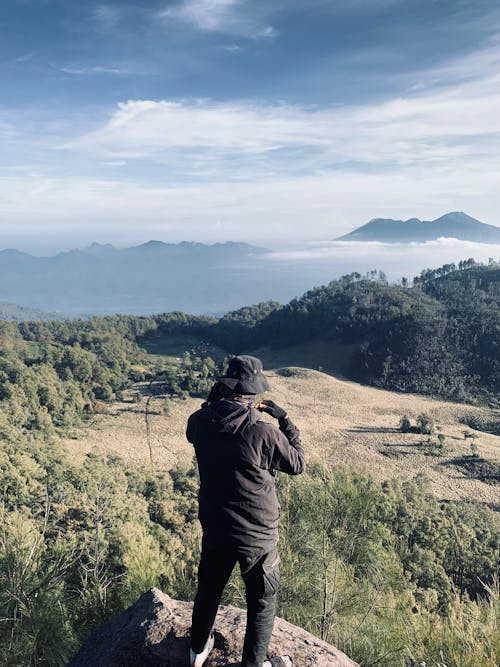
(238, 456)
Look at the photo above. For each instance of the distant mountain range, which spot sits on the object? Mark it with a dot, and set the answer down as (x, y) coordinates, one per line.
(198, 278)
(456, 225)
(152, 277)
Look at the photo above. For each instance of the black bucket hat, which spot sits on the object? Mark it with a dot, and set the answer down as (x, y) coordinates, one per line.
(244, 375)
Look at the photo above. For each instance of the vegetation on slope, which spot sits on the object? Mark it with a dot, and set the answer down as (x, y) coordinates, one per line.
(385, 571)
(439, 337)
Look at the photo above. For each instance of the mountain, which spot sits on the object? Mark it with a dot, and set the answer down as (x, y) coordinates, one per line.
(191, 277)
(151, 277)
(456, 225)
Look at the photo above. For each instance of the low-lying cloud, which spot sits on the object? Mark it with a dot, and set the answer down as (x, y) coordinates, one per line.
(395, 259)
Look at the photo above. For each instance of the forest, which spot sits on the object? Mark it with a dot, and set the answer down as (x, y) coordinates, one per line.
(393, 576)
(440, 336)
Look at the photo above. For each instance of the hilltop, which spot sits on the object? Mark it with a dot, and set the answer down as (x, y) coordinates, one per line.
(457, 225)
(437, 337)
(155, 631)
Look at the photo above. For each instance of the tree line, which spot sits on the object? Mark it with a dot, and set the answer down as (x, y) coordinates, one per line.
(440, 336)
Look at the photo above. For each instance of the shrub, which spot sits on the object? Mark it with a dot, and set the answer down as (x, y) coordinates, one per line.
(288, 372)
(405, 425)
(425, 424)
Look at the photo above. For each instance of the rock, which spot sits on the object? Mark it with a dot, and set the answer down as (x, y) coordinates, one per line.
(154, 632)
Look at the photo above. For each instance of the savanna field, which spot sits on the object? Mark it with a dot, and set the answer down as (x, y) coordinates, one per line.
(390, 540)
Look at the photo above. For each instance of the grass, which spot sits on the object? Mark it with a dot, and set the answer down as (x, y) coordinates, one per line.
(342, 423)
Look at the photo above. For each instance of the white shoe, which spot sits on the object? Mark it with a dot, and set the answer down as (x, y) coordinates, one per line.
(282, 660)
(198, 659)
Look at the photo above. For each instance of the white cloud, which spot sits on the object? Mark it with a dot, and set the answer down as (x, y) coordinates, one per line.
(266, 31)
(235, 17)
(24, 58)
(79, 70)
(204, 14)
(395, 259)
(473, 66)
(256, 171)
(115, 163)
(232, 48)
(457, 123)
(287, 210)
(450, 248)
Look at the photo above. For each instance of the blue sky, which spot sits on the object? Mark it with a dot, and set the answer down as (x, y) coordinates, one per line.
(270, 122)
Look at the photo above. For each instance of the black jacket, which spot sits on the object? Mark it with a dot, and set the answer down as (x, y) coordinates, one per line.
(238, 456)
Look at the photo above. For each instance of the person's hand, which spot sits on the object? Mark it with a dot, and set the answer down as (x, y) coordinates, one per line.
(272, 409)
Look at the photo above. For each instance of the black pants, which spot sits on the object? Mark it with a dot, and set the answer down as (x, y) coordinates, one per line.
(261, 580)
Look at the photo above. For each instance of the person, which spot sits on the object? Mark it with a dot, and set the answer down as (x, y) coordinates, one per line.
(238, 456)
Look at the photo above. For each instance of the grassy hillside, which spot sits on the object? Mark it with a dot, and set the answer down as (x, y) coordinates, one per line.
(342, 422)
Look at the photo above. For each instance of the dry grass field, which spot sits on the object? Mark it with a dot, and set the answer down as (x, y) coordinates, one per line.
(342, 423)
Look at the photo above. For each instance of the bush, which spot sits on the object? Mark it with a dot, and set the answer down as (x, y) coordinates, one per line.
(383, 564)
(34, 628)
(405, 425)
(288, 372)
(425, 424)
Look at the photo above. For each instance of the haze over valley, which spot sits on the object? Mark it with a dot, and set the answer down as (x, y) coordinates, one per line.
(214, 278)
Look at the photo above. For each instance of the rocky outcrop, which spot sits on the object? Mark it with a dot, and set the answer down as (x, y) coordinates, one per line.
(154, 632)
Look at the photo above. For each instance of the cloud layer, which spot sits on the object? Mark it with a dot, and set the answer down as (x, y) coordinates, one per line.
(434, 129)
(256, 170)
(396, 259)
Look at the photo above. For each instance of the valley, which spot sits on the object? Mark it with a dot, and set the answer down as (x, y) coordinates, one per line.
(343, 423)
(395, 391)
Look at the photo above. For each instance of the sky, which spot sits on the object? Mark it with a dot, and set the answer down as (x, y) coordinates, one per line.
(275, 122)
